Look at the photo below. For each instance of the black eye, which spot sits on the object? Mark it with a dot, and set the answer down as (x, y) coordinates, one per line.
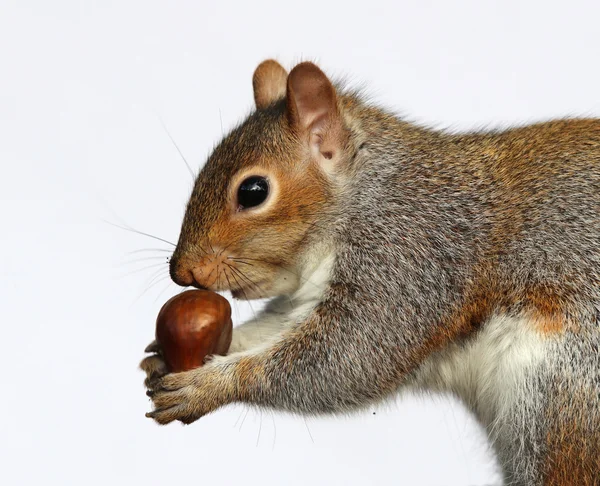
(252, 192)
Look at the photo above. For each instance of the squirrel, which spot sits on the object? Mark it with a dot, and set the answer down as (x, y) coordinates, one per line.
(397, 256)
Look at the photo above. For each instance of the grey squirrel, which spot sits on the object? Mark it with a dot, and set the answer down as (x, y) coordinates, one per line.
(400, 256)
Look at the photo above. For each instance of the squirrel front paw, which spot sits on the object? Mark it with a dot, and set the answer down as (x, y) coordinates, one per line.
(185, 396)
(154, 366)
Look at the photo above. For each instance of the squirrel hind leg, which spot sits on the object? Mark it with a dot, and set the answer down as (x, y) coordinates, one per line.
(551, 436)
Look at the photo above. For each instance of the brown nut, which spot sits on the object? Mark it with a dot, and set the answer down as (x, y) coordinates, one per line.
(192, 325)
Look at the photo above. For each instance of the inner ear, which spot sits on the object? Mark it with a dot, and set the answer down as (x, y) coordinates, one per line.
(269, 83)
(312, 109)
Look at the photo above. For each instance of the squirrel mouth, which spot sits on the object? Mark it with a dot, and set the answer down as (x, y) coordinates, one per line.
(238, 294)
(249, 292)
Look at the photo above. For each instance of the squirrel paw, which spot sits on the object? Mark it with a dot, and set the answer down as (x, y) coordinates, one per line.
(154, 366)
(186, 396)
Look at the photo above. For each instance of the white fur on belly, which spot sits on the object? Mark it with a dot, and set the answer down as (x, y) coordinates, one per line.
(488, 372)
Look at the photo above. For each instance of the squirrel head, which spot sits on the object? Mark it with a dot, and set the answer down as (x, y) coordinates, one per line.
(264, 189)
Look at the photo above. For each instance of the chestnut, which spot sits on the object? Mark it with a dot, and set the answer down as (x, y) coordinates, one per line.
(192, 325)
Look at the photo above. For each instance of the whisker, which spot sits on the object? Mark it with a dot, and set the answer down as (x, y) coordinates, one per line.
(240, 260)
(125, 228)
(238, 284)
(151, 278)
(237, 260)
(245, 278)
(149, 287)
(235, 307)
(274, 430)
(233, 269)
(289, 297)
(244, 419)
(177, 147)
(149, 249)
(244, 292)
(145, 259)
(223, 250)
(308, 430)
(252, 260)
(158, 273)
(259, 429)
(239, 417)
(202, 250)
(252, 282)
(228, 281)
(163, 291)
(143, 269)
(260, 290)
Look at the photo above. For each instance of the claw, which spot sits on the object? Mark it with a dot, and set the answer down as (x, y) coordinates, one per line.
(153, 347)
(155, 412)
(152, 382)
(187, 420)
(158, 414)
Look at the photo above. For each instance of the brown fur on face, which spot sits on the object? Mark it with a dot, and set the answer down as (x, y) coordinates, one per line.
(295, 143)
(256, 246)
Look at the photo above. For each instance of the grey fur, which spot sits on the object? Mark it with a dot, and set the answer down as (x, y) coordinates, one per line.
(433, 235)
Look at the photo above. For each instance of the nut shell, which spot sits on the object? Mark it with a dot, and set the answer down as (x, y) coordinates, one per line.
(192, 325)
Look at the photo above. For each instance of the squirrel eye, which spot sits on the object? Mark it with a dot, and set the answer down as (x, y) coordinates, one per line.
(252, 192)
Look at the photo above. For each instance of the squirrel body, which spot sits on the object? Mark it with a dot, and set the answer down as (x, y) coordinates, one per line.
(400, 256)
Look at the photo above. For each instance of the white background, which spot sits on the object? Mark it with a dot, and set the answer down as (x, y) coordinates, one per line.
(83, 86)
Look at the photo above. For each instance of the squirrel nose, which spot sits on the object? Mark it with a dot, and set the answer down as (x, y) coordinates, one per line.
(185, 276)
(179, 274)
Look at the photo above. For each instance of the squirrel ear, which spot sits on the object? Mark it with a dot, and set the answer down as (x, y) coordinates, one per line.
(312, 109)
(269, 83)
